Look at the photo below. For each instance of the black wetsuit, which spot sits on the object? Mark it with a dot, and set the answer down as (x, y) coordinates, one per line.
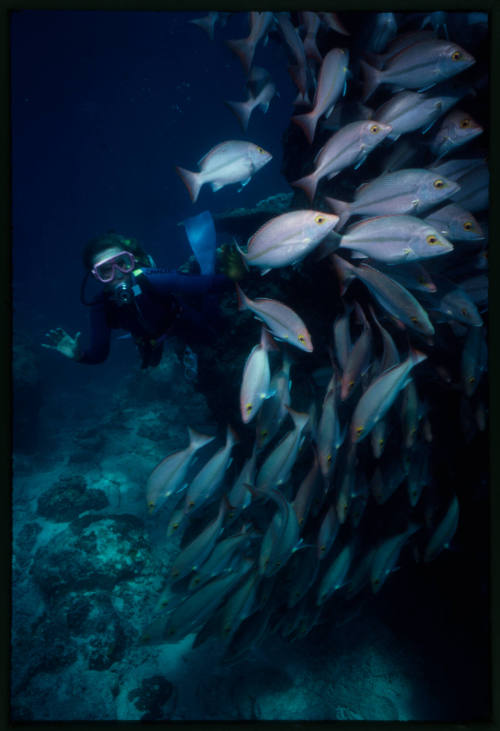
(158, 310)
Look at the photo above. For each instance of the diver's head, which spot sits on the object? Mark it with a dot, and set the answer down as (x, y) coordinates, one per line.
(111, 259)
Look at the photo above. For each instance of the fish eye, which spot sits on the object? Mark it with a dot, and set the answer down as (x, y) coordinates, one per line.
(329, 458)
(472, 379)
(301, 339)
(360, 430)
(322, 548)
(381, 442)
(248, 408)
(414, 319)
(320, 219)
(374, 129)
(468, 225)
(465, 122)
(456, 55)
(431, 239)
(438, 183)
(464, 312)
(264, 433)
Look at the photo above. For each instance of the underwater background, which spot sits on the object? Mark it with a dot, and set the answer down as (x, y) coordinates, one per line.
(104, 106)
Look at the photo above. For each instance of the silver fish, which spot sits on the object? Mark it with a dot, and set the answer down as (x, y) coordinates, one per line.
(474, 359)
(287, 239)
(327, 532)
(444, 531)
(359, 359)
(335, 575)
(170, 475)
(346, 148)
(274, 409)
(276, 468)
(234, 161)
(391, 295)
(419, 66)
(281, 320)
(400, 42)
(328, 435)
(195, 553)
(239, 605)
(474, 189)
(342, 337)
(197, 608)
(394, 239)
(456, 130)
(307, 491)
(380, 395)
(412, 190)
(282, 535)
(211, 475)
(455, 223)
(409, 111)
(386, 556)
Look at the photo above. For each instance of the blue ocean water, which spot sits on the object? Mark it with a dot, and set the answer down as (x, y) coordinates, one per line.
(104, 106)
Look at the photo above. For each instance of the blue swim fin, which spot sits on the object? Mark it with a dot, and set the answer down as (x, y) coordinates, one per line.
(200, 231)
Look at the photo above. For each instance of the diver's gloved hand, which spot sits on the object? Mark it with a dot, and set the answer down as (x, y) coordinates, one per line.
(64, 343)
(231, 263)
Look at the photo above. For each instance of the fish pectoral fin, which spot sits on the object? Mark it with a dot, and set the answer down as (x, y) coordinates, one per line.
(359, 255)
(243, 183)
(358, 164)
(216, 186)
(408, 251)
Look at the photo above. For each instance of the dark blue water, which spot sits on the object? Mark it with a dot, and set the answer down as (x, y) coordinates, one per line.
(104, 106)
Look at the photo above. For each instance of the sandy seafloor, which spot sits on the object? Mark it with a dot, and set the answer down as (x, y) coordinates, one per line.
(415, 651)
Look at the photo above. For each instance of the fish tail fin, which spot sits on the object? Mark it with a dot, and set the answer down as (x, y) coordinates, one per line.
(267, 342)
(244, 50)
(417, 356)
(299, 78)
(191, 181)
(345, 272)
(308, 185)
(232, 438)
(307, 123)
(197, 440)
(242, 110)
(372, 80)
(342, 209)
(300, 419)
(205, 24)
(242, 298)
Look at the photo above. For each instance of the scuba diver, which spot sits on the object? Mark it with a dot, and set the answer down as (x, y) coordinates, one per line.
(150, 303)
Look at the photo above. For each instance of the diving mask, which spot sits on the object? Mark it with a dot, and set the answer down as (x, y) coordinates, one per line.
(105, 270)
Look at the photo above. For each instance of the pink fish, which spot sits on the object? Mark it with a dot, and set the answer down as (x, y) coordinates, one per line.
(256, 378)
(282, 321)
(312, 23)
(331, 83)
(234, 161)
(244, 48)
(287, 239)
(347, 147)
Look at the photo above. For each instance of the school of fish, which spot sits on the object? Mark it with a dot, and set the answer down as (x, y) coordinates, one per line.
(300, 516)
